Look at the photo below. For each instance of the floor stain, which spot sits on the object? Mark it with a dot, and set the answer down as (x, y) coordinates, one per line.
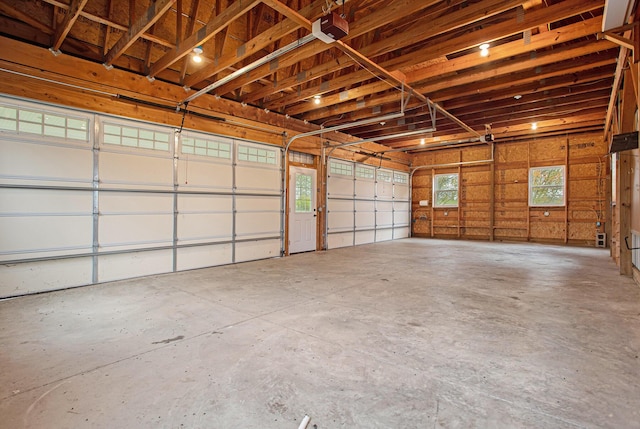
(169, 340)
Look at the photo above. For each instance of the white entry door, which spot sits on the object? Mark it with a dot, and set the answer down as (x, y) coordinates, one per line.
(302, 209)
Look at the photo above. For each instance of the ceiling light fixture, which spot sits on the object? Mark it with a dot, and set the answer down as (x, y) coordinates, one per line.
(316, 99)
(484, 50)
(534, 126)
(517, 97)
(197, 51)
(421, 141)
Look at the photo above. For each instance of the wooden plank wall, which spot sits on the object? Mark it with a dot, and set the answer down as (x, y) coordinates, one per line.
(493, 196)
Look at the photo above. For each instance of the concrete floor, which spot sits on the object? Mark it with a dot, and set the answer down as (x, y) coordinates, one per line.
(407, 334)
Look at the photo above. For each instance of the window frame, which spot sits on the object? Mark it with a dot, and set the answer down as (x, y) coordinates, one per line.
(436, 191)
(564, 186)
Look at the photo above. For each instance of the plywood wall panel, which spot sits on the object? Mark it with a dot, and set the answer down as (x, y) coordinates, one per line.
(585, 159)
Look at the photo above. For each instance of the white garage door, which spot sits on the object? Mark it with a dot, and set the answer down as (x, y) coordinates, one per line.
(46, 203)
(365, 204)
(87, 198)
(340, 204)
(401, 205)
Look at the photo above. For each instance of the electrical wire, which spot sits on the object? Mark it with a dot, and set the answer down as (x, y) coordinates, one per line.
(184, 113)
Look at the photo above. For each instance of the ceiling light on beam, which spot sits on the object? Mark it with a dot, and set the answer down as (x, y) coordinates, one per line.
(421, 141)
(197, 51)
(534, 126)
(484, 50)
(316, 99)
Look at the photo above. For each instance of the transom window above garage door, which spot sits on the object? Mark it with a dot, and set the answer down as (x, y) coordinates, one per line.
(384, 176)
(206, 147)
(256, 154)
(42, 123)
(400, 177)
(364, 172)
(341, 168)
(132, 136)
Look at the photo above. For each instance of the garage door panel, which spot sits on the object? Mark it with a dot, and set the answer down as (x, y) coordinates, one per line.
(253, 225)
(384, 213)
(253, 250)
(257, 179)
(204, 227)
(191, 203)
(204, 175)
(34, 277)
(365, 220)
(44, 235)
(365, 237)
(365, 189)
(135, 231)
(401, 192)
(189, 258)
(45, 164)
(401, 213)
(337, 240)
(402, 232)
(44, 201)
(135, 170)
(136, 264)
(127, 202)
(257, 216)
(340, 187)
(384, 234)
(340, 214)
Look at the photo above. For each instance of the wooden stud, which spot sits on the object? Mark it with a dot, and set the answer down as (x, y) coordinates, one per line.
(75, 8)
(155, 11)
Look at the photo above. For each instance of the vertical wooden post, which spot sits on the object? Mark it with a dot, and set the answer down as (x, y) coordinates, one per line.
(459, 195)
(566, 196)
(528, 185)
(625, 175)
(624, 204)
(492, 196)
(433, 212)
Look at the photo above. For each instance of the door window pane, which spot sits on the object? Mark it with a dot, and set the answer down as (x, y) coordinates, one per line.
(304, 185)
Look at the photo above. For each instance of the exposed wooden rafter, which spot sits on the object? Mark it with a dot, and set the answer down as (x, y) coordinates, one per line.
(155, 11)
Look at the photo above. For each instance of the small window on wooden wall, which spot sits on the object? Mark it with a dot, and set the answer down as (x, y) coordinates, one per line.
(546, 186)
(445, 190)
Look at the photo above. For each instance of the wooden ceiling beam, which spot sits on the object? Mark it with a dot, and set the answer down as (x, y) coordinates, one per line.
(588, 79)
(593, 105)
(540, 64)
(597, 78)
(213, 27)
(474, 13)
(540, 77)
(506, 50)
(341, 97)
(155, 11)
(260, 42)
(533, 67)
(593, 119)
(492, 117)
(75, 7)
(11, 11)
(110, 23)
(284, 62)
(543, 101)
(445, 44)
(195, 8)
(323, 68)
(447, 22)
